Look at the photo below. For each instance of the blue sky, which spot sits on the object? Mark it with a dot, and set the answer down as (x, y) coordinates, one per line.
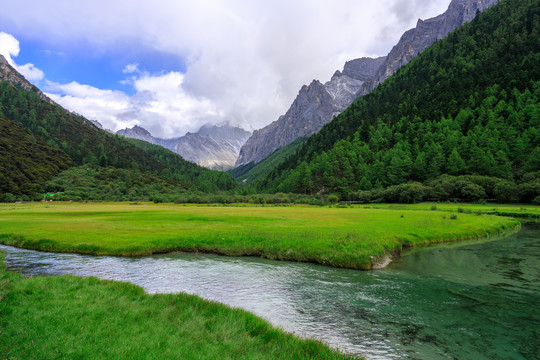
(204, 62)
(102, 69)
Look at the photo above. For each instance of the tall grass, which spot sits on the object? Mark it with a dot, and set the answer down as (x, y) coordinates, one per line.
(74, 318)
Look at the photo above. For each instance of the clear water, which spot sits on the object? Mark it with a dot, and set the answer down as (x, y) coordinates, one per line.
(473, 301)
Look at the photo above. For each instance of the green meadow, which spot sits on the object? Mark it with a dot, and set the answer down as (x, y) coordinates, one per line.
(350, 237)
(513, 210)
(69, 317)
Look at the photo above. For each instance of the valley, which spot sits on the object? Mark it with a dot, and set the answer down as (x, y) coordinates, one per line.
(388, 213)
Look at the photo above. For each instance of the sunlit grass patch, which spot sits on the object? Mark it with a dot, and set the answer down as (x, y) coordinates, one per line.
(343, 237)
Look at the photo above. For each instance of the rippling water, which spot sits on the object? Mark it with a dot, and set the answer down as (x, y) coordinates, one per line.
(475, 301)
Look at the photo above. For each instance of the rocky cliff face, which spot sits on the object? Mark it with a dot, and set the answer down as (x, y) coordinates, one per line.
(426, 32)
(8, 73)
(314, 106)
(138, 132)
(214, 147)
(317, 104)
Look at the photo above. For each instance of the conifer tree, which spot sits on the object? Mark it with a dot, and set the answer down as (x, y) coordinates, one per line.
(455, 165)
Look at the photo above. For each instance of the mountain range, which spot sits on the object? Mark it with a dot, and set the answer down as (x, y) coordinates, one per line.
(459, 121)
(215, 147)
(40, 139)
(317, 104)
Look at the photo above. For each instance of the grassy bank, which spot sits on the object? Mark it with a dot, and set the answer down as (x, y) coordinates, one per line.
(76, 318)
(513, 210)
(341, 237)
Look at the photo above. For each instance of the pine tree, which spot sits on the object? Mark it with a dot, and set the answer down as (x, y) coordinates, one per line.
(455, 164)
(365, 184)
(436, 161)
(419, 168)
(503, 169)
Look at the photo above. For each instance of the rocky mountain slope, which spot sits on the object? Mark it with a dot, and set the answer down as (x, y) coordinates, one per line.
(314, 106)
(317, 104)
(426, 32)
(214, 147)
(8, 73)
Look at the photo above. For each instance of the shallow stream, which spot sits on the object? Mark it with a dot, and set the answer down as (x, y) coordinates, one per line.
(478, 300)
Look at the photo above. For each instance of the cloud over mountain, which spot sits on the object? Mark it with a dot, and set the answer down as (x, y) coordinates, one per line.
(244, 60)
(9, 47)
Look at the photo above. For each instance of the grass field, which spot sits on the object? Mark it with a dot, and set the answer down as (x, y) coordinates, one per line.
(343, 237)
(524, 211)
(69, 317)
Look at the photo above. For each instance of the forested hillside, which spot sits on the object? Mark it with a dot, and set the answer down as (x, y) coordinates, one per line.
(73, 135)
(469, 105)
(252, 173)
(26, 161)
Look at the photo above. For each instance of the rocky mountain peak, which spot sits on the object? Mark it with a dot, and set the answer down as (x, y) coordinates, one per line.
(362, 68)
(215, 147)
(315, 105)
(140, 130)
(137, 132)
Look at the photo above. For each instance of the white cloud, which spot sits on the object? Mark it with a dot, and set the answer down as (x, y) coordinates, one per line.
(131, 68)
(245, 60)
(9, 47)
(31, 73)
(160, 105)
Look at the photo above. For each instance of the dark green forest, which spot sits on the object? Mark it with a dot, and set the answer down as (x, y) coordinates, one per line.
(27, 161)
(468, 105)
(78, 142)
(93, 182)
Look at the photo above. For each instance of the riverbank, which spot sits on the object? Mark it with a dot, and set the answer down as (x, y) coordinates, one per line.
(350, 237)
(73, 317)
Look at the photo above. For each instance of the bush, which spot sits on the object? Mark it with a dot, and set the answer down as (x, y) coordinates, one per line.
(473, 192)
(8, 198)
(536, 200)
(529, 191)
(506, 191)
(406, 193)
(333, 199)
(365, 196)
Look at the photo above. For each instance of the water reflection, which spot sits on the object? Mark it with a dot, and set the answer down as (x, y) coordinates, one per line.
(472, 302)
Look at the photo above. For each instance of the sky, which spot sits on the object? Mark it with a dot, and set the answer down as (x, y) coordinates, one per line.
(172, 66)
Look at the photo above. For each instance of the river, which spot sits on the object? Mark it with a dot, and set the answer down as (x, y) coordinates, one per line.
(475, 300)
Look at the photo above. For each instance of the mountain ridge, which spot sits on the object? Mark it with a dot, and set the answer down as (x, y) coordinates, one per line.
(71, 135)
(426, 32)
(214, 147)
(10, 74)
(296, 124)
(314, 106)
(460, 121)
